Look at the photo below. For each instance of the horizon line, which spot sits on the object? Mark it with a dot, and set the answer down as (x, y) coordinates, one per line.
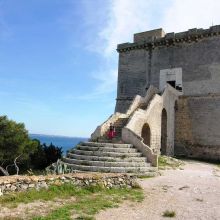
(56, 135)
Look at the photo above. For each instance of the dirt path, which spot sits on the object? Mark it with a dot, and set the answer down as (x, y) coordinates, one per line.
(192, 193)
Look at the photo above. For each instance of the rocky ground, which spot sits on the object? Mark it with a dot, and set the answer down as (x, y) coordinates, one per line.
(192, 192)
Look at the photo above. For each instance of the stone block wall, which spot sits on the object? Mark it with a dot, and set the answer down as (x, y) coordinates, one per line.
(200, 63)
(195, 51)
(123, 104)
(197, 126)
(131, 78)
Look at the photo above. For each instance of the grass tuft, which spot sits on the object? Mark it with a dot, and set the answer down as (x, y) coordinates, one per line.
(165, 162)
(169, 214)
(145, 177)
(83, 217)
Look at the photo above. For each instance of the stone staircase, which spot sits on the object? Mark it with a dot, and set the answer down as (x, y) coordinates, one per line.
(119, 124)
(107, 157)
(143, 106)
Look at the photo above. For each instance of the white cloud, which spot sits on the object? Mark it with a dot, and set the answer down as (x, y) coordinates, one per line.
(123, 18)
(183, 15)
(126, 17)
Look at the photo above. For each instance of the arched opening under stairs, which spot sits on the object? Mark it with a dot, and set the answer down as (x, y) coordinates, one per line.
(146, 134)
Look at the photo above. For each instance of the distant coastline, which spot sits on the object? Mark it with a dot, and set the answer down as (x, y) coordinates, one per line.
(51, 135)
(58, 140)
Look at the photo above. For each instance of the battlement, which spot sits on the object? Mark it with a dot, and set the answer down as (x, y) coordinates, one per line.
(156, 38)
(149, 35)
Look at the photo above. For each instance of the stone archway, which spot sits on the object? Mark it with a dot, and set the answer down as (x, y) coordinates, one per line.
(146, 134)
(163, 147)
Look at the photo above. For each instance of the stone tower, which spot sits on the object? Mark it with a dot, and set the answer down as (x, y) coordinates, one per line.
(190, 62)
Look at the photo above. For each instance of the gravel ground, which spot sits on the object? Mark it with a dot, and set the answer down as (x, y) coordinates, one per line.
(192, 192)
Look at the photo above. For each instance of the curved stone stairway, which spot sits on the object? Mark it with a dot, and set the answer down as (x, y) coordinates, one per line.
(107, 157)
(119, 124)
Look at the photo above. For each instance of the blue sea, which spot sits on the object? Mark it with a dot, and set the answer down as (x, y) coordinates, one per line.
(60, 141)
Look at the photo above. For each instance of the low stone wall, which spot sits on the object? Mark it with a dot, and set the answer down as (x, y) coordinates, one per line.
(107, 180)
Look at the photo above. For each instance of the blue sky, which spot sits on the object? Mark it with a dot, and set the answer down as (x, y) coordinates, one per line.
(58, 64)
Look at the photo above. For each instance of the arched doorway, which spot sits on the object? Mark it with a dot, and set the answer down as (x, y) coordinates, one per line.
(163, 147)
(145, 134)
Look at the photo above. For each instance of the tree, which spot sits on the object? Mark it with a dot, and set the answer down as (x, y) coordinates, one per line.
(38, 159)
(45, 155)
(52, 152)
(14, 144)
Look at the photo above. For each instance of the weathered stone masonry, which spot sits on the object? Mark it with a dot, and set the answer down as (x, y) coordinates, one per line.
(197, 133)
(192, 61)
(195, 51)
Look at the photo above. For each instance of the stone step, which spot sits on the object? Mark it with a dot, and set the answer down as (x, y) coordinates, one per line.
(105, 154)
(101, 144)
(119, 125)
(121, 121)
(108, 159)
(118, 131)
(105, 163)
(149, 174)
(115, 140)
(110, 169)
(106, 149)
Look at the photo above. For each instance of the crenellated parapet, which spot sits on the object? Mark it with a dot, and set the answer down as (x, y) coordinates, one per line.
(157, 38)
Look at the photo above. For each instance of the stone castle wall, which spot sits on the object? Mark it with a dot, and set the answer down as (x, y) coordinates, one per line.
(195, 51)
(131, 77)
(200, 63)
(195, 56)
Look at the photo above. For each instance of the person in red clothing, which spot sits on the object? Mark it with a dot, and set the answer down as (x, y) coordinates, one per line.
(111, 132)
